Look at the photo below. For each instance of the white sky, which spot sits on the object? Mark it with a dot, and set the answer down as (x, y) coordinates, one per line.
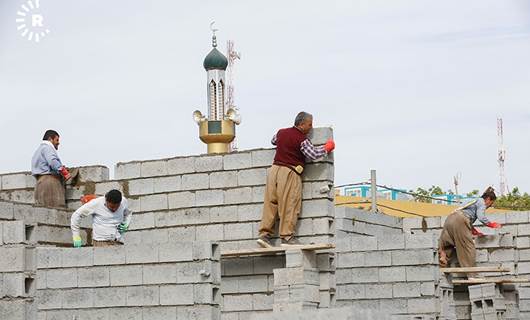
(412, 87)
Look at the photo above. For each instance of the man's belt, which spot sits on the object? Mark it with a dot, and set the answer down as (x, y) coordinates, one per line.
(298, 169)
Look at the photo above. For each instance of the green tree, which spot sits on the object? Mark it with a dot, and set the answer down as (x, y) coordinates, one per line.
(422, 195)
(473, 193)
(514, 200)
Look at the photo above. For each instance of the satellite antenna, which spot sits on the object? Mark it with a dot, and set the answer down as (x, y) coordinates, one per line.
(501, 157)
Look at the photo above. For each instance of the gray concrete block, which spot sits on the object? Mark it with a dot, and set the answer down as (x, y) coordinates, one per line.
(223, 179)
(351, 259)
(406, 290)
(238, 195)
(363, 243)
(167, 184)
(78, 257)
(206, 250)
(208, 163)
(93, 173)
(186, 233)
(13, 259)
(14, 232)
(181, 165)
(378, 258)
(351, 291)
(515, 217)
(391, 242)
(500, 255)
(154, 202)
(49, 299)
(7, 211)
(209, 232)
(252, 177)
(104, 187)
(378, 291)
(110, 297)
(258, 194)
(250, 212)
(262, 302)
(12, 285)
(143, 221)
(295, 276)
(141, 186)
(317, 208)
(93, 277)
(392, 274)
(78, 298)
(109, 255)
(266, 265)
(61, 278)
(237, 266)
(197, 181)
(198, 312)
(413, 257)
(141, 253)
(127, 170)
(238, 231)
(319, 136)
(49, 257)
(205, 293)
(154, 168)
(300, 258)
(126, 275)
(224, 214)
(262, 158)
(240, 302)
(422, 273)
(179, 200)
(239, 160)
(175, 252)
(422, 305)
(209, 198)
(159, 274)
(318, 172)
(14, 181)
(159, 313)
(176, 295)
(143, 296)
(420, 241)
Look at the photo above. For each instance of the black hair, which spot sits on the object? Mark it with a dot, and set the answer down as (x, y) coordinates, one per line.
(489, 193)
(113, 196)
(50, 134)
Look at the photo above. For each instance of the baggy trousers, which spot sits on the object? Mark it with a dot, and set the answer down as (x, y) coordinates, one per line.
(456, 236)
(283, 197)
(50, 191)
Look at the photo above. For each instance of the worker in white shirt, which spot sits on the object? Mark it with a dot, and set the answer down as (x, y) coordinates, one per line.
(110, 219)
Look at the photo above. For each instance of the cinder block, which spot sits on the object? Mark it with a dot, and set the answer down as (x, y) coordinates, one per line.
(181, 165)
(502, 255)
(127, 170)
(197, 181)
(321, 135)
(515, 217)
(295, 276)
(223, 179)
(143, 221)
(126, 275)
(93, 277)
(110, 297)
(224, 214)
(14, 181)
(109, 255)
(175, 252)
(167, 184)
(238, 195)
(179, 200)
(266, 265)
(239, 160)
(13, 285)
(241, 302)
(379, 291)
(250, 212)
(61, 278)
(176, 295)
(93, 173)
(238, 231)
(143, 296)
(14, 232)
(206, 250)
(318, 172)
(422, 305)
(378, 258)
(363, 243)
(78, 257)
(351, 259)
(208, 163)
(7, 211)
(262, 302)
(392, 274)
(160, 274)
(205, 293)
(104, 187)
(177, 234)
(142, 253)
(262, 158)
(251, 177)
(406, 290)
(300, 258)
(198, 312)
(237, 267)
(413, 257)
(209, 232)
(351, 291)
(154, 168)
(317, 208)
(49, 299)
(48, 257)
(141, 186)
(421, 273)
(209, 198)
(391, 242)
(420, 241)
(154, 202)
(129, 313)
(13, 259)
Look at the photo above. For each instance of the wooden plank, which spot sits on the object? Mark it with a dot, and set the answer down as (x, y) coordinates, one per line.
(276, 250)
(490, 280)
(474, 269)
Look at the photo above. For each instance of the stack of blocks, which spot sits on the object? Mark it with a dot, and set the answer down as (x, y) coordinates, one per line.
(487, 303)
(445, 291)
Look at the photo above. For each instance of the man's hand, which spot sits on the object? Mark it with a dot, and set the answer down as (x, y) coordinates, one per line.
(64, 172)
(77, 241)
(329, 146)
(476, 232)
(122, 227)
(494, 225)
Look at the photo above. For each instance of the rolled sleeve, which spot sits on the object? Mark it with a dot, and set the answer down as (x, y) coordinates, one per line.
(310, 151)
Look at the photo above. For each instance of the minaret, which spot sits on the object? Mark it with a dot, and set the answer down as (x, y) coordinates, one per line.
(218, 129)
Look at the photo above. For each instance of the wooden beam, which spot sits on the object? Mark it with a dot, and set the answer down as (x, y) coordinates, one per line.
(490, 280)
(474, 269)
(276, 250)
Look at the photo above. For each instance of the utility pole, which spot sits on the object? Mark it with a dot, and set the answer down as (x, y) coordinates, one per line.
(501, 157)
(373, 190)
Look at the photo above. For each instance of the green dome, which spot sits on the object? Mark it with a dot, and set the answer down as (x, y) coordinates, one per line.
(215, 60)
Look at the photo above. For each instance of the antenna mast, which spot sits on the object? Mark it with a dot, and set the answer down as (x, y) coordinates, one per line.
(501, 157)
(232, 55)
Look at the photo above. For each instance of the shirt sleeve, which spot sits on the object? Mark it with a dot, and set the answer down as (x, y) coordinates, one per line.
(52, 159)
(274, 139)
(481, 212)
(310, 151)
(127, 216)
(84, 211)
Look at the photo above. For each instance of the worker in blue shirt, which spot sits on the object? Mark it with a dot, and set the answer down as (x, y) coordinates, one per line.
(49, 171)
(458, 231)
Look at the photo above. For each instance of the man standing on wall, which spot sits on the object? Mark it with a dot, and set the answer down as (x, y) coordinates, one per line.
(110, 219)
(283, 193)
(47, 168)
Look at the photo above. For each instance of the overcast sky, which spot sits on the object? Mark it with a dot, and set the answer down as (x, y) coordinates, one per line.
(412, 87)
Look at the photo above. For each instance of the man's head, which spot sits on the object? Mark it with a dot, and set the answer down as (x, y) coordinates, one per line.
(113, 200)
(489, 197)
(53, 137)
(304, 122)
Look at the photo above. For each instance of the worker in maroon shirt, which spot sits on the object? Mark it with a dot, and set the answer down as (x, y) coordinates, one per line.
(283, 193)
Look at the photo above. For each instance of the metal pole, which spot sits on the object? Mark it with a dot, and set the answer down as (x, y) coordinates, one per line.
(373, 190)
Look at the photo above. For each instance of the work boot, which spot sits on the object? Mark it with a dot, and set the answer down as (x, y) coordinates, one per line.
(265, 241)
(292, 241)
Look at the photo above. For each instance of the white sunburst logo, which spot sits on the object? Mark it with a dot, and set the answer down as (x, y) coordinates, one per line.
(30, 22)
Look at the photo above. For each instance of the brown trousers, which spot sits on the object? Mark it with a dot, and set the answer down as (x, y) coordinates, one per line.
(102, 244)
(456, 235)
(283, 197)
(50, 191)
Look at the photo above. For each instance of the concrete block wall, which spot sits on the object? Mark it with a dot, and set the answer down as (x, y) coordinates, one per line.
(360, 222)
(177, 280)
